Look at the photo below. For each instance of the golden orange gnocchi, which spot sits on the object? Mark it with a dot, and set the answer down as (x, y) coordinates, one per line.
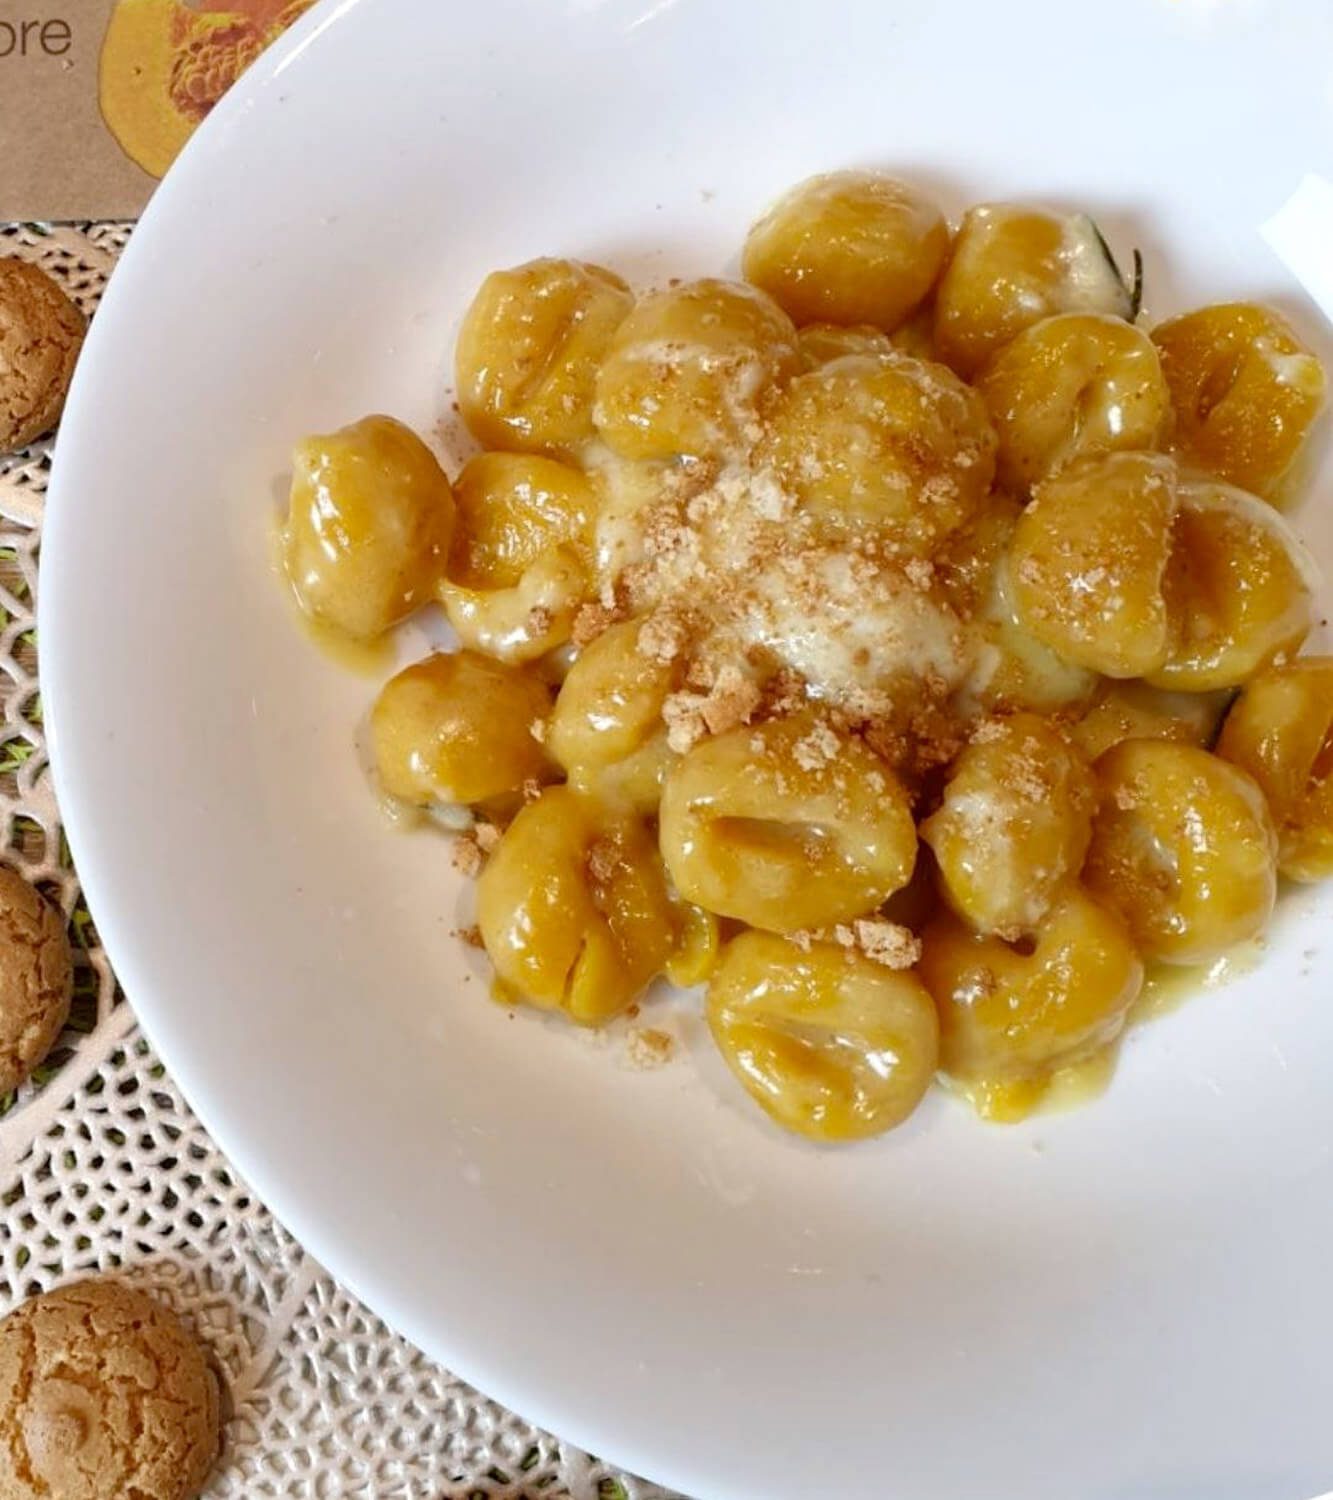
(824, 1040)
(1131, 709)
(1238, 589)
(689, 370)
(1074, 384)
(1012, 1014)
(1013, 266)
(457, 728)
(882, 443)
(1014, 824)
(518, 569)
(1008, 667)
(1245, 391)
(1088, 559)
(847, 248)
(1280, 731)
(574, 909)
(900, 642)
(607, 730)
(786, 827)
(529, 351)
(370, 521)
(1183, 848)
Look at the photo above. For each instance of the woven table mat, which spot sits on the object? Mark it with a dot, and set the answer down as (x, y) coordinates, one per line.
(104, 1167)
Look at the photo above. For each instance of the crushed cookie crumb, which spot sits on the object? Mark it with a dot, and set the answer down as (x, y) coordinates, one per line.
(732, 701)
(1022, 775)
(887, 943)
(470, 936)
(939, 489)
(786, 692)
(532, 789)
(590, 621)
(604, 859)
(647, 1047)
(537, 729)
(817, 749)
(664, 635)
(487, 836)
(989, 731)
(466, 856)
(684, 720)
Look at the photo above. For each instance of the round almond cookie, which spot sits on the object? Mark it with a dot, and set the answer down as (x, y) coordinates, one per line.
(104, 1395)
(36, 978)
(41, 333)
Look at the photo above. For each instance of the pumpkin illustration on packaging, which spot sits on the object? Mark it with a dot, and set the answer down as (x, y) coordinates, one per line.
(165, 64)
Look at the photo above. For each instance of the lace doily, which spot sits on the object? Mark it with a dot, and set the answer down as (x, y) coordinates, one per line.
(104, 1167)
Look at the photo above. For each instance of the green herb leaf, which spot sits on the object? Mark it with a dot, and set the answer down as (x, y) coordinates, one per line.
(1133, 285)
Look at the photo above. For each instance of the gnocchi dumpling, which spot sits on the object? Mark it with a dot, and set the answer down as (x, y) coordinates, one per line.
(1088, 560)
(518, 566)
(690, 369)
(1009, 668)
(1074, 384)
(1280, 732)
(459, 728)
(848, 247)
(369, 527)
(787, 825)
(1238, 589)
(827, 1042)
(607, 730)
(574, 909)
(1013, 1014)
(1245, 389)
(883, 444)
(1014, 824)
(529, 351)
(1013, 266)
(1134, 710)
(1183, 847)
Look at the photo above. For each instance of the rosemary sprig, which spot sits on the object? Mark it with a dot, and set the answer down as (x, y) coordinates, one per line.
(1133, 286)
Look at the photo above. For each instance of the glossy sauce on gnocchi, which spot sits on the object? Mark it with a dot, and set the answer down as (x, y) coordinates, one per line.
(901, 642)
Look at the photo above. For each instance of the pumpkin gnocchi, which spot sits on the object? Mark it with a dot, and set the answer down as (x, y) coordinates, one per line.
(899, 642)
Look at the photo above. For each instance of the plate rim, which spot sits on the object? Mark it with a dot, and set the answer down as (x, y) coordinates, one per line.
(471, 1364)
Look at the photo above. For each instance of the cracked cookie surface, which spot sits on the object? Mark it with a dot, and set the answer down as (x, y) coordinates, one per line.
(36, 978)
(104, 1395)
(41, 333)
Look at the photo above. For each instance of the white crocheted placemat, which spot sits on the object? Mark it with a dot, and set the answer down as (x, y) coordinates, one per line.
(104, 1167)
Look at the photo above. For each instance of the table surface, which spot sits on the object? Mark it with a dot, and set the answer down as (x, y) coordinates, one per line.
(104, 1167)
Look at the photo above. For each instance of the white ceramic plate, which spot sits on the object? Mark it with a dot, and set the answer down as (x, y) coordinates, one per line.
(1131, 1302)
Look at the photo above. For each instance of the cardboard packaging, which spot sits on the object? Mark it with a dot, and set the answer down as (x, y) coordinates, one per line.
(97, 97)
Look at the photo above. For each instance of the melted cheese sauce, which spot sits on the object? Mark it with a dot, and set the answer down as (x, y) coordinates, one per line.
(760, 583)
(365, 658)
(1166, 988)
(1007, 1101)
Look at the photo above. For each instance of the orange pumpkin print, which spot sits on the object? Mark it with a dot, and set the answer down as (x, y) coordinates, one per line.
(165, 64)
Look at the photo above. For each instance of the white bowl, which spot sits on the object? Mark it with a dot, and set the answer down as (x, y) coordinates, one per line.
(1132, 1300)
